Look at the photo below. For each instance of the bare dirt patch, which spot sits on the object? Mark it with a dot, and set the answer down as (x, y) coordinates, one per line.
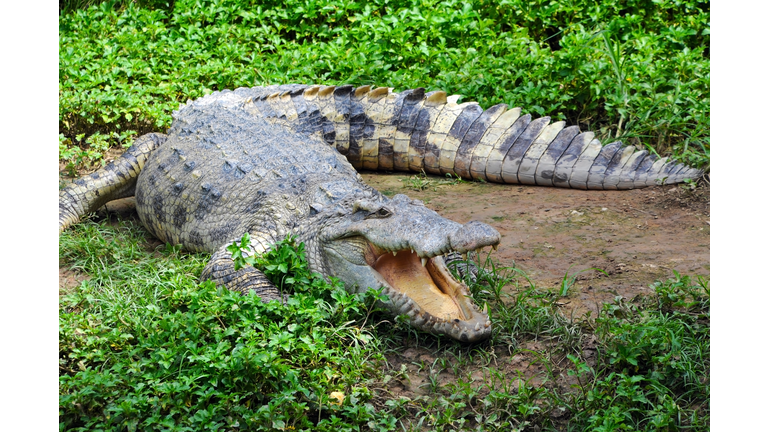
(637, 237)
(69, 279)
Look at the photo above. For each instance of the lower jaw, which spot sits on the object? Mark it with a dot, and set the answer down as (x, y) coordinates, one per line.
(428, 294)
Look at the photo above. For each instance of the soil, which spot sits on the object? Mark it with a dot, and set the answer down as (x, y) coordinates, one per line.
(636, 236)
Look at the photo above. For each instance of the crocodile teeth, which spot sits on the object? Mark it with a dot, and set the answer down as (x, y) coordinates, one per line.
(495, 247)
(487, 324)
(477, 327)
(394, 253)
(485, 308)
(423, 262)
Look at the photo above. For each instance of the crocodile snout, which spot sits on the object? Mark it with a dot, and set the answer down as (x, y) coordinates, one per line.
(472, 236)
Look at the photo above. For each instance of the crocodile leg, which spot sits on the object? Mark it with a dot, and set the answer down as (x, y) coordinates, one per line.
(116, 180)
(221, 270)
(464, 267)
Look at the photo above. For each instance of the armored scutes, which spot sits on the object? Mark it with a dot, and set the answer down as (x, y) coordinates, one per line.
(261, 161)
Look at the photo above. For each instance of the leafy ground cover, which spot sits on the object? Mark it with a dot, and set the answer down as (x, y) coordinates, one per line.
(634, 70)
(145, 346)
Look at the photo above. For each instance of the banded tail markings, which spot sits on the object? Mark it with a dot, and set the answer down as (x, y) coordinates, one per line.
(297, 99)
(688, 173)
(612, 171)
(627, 175)
(438, 132)
(492, 135)
(433, 104)
(439, 101)
(340, 119)
(463, 159)
(526, 174)
(641, 175)
(406, 121)
(262, 106)
(580, 171)
(361, 92)
(387, 146)
(312, 121)
(675, 172)
(357, 120)
(597, 170)
(274, 105)
(390, 110)
(668, 169)
(310, 93)
(514, 156)
(250, 106)
(653, 173)
(327, 107)
(372, 104)
(564, 165)
(413, 130)
(289, 108)
(685, 173)
(460, 127)
(283, 105)
(499, 151)
(545, 170)
(662, 176)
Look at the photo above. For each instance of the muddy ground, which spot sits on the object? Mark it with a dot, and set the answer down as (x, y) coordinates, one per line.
(636, 237)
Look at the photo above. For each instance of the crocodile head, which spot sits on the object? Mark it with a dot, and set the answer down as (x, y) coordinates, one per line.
(396, 245)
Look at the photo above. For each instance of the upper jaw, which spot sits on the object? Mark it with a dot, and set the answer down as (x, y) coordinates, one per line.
(417, 282)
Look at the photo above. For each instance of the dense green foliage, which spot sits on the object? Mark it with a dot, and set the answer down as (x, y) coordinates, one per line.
(144, 346)
(174, 355)
(635, 69)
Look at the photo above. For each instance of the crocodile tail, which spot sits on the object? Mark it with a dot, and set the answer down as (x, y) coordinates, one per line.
(376, 128)
(115, 180)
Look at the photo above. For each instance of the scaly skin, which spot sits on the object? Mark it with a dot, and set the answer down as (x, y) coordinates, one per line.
(259, 161)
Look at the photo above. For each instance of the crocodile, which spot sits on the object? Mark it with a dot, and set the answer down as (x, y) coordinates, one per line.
(281, 160)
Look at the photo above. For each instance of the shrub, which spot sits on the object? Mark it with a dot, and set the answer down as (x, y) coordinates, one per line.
(634, 70)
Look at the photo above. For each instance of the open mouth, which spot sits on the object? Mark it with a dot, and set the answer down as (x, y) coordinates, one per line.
(442, 303)
(429, 284)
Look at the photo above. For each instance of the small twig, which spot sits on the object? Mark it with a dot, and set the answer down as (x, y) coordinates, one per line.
(642, 211)
(220, 321)
(66, 369)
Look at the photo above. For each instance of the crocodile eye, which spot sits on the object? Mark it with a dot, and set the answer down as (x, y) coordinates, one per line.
(379, 214)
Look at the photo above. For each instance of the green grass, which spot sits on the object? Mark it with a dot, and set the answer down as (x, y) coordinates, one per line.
(633, 70)
(422, 181)
(145, 346)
